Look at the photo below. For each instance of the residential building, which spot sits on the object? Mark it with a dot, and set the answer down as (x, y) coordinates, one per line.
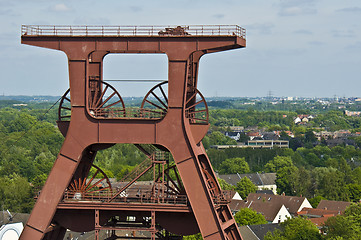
(339, 206)
(254, 134)
(289, 133)
(261, 180)
(352, 113)
(303, 119)
(272, 211)
(268, 144)
(323, 134)
(317, 216)
(236, 128)
(340, 141)
(270, 136)
(293, 204)
(257, 232)
(234, 135)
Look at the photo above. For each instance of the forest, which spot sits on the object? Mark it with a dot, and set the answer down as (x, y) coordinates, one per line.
(30, 142)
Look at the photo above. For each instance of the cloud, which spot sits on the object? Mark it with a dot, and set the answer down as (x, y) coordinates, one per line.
(6, 8)
(344, 34)
(350, 10)
(303, 31)
(135, 8)
(293, 3)
(61, 7)
(218, 16)
(316, 43)
(5, 12)
(6, 4)
(296, 7)
(296, 11)
(261, 28)
(355, 46)
(285, 52)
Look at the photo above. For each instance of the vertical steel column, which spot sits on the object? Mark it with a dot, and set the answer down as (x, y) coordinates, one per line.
(153, 229)
(97, 224)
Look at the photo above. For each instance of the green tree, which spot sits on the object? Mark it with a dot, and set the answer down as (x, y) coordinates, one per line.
(354, 212)
(329, 183)
(295, 229)
(300, 182)
(346, 226)
(310, 136)
(234, 165)
(218, 138)
(245, 187)
(16, 194)
(247, 216)
(316, 200)
(278, 162)
(341, 226)
(354, 192)
(39, 181)
(197, 236)
(224, 185)
(285, 178)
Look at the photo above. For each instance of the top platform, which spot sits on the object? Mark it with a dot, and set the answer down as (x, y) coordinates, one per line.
(139, 31)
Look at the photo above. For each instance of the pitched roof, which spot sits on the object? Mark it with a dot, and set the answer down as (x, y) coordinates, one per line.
(266, 191)
(232, 179)
(258, 179)
(319, 222)
(268, 209)
(292, 203)
(315, 212)
(268, 178)
(333, 205)
(247, 233)
(261, 230)
(232, 134)
(254, 177)
(235, 205)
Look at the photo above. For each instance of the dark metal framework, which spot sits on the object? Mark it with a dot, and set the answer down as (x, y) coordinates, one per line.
(183, 198)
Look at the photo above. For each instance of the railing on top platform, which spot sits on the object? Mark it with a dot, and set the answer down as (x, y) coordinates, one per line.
(129, 196)
(189, 30)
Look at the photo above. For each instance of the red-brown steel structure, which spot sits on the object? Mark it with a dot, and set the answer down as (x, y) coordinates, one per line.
(168, 121)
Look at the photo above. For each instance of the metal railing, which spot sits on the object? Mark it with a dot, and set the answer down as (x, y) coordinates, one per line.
(224, 197)
(117, 31)
(127, 113)
(129, 196)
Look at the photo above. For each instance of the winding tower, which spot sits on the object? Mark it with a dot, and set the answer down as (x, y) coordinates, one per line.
(184, 197)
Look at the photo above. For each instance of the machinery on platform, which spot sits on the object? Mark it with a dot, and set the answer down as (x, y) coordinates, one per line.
(184, 196)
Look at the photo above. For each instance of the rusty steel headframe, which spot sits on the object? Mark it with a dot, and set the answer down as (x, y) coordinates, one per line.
(173, 118)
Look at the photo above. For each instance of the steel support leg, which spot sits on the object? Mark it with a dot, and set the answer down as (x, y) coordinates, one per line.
(52, 192)
(214, 224)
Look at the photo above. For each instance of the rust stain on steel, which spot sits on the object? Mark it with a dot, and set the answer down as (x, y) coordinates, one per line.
(184, 198)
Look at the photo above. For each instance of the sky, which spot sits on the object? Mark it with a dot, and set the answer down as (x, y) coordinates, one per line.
(304, 48)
